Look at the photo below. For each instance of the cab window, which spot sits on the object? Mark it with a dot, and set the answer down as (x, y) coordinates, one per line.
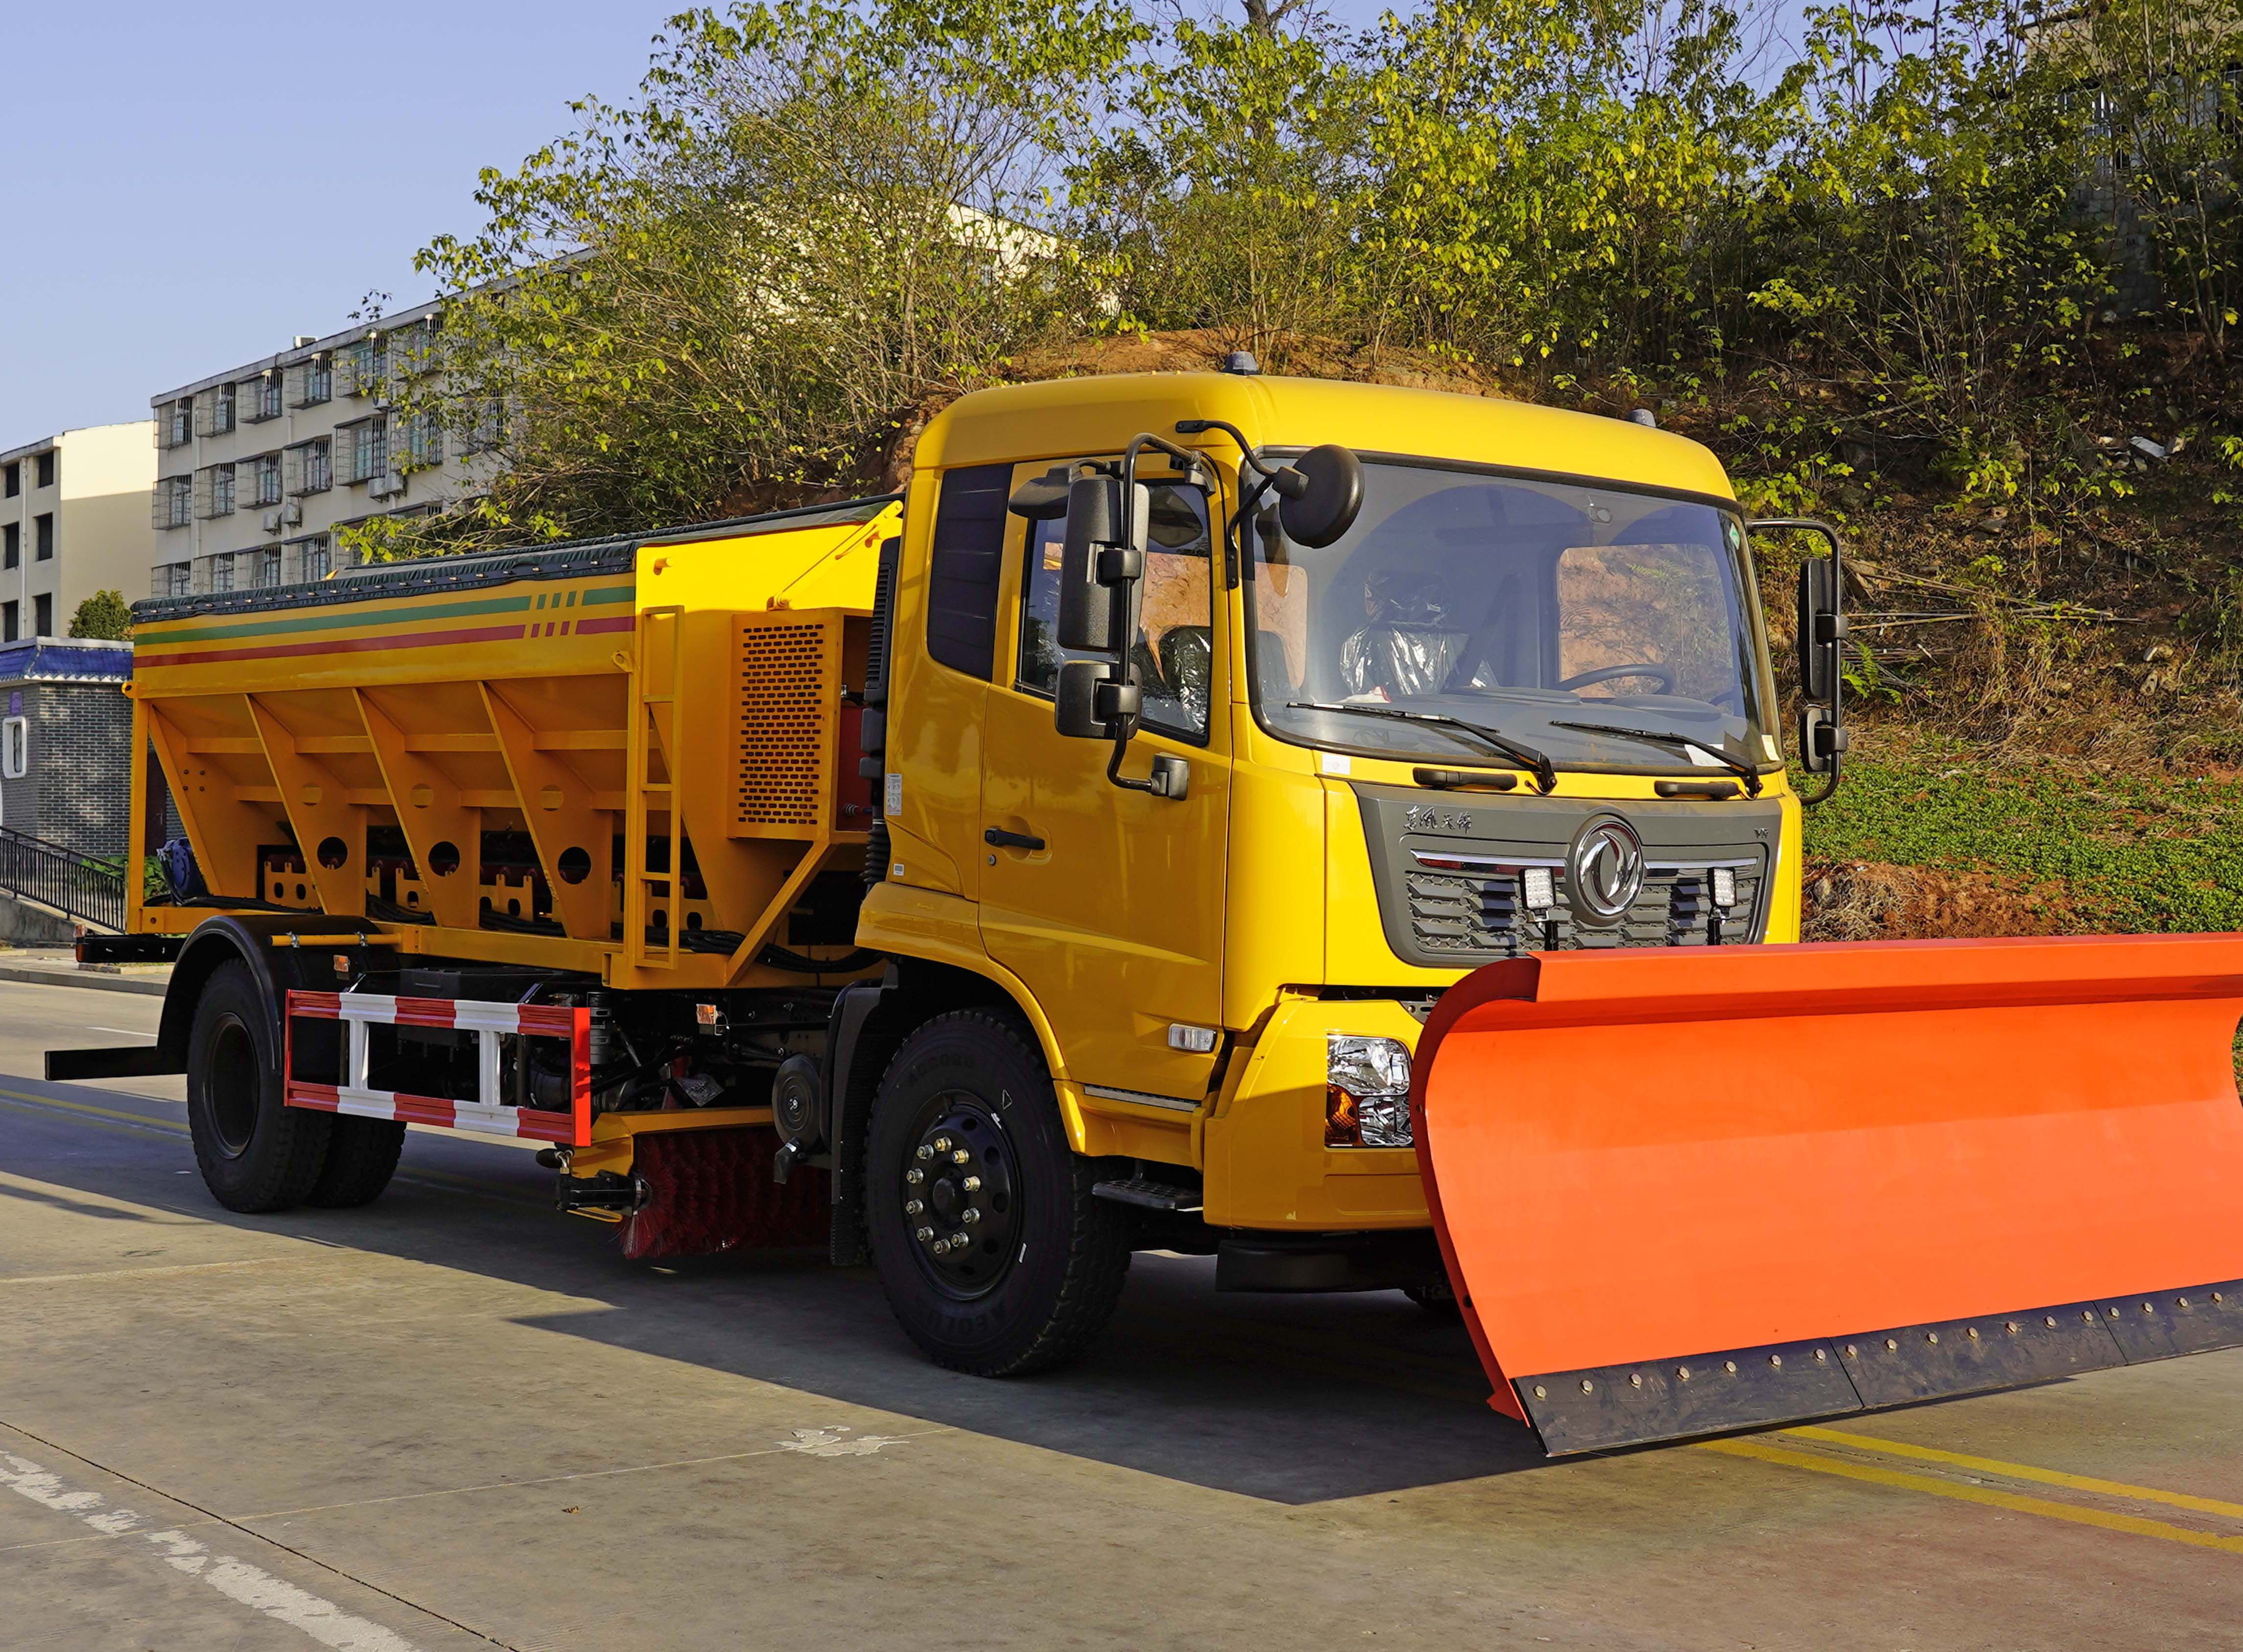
(1175, 654)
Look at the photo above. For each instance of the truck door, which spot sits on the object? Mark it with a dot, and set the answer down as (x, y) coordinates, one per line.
(1108, 903)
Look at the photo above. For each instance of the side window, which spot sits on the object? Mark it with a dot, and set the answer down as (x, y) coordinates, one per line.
(963, 567)
(15, 747)
(1174, 655)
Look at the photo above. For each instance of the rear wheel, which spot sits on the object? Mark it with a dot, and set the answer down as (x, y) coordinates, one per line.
(255, 1155)
(994, 1255)
(361, 1157)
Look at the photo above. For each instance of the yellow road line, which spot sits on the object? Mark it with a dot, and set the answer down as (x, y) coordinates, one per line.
(2023, 1471)
(1987, 1495)
(95, 1112)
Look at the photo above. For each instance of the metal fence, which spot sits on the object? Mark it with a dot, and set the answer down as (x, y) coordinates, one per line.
(90, 888)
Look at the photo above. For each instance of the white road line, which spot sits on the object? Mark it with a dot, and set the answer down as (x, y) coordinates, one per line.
(251, 1586)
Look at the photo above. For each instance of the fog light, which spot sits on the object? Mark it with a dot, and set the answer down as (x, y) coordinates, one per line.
(1367, 1092)
(1538, 887)
(1725, 886)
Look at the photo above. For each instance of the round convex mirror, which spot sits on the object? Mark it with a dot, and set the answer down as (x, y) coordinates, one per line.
(1317, 513)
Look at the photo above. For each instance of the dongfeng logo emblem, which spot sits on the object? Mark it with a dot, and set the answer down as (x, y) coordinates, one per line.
(1604, 871)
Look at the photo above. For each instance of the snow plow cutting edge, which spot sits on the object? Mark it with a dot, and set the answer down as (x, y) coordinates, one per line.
(1984, 1165)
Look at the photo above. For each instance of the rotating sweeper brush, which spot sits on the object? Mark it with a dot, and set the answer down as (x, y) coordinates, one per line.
(1985, 1164)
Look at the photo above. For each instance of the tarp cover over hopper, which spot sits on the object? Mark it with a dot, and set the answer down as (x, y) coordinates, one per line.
(1685, 1193)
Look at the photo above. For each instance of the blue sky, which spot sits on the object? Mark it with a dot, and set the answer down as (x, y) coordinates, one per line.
(179, 194)
(188, 185)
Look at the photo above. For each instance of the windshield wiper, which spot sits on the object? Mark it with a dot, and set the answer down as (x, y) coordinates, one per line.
(1546, 773)
(1735, 766)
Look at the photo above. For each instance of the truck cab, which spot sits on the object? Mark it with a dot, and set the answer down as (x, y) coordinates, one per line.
(1522, 703)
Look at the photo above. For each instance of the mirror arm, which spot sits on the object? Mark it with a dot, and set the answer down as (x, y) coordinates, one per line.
(1837, 702)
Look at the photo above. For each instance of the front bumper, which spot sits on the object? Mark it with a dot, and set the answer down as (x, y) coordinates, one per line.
(1265, 1162)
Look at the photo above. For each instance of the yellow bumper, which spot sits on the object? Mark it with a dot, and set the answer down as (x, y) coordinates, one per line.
(1265, 1159)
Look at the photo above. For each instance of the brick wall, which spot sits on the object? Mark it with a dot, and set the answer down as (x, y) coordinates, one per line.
(78, 789)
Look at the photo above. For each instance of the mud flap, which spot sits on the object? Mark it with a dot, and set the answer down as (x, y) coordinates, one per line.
(1680, 1193)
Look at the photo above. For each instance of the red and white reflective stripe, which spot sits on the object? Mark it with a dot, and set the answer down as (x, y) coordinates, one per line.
(487, 1114)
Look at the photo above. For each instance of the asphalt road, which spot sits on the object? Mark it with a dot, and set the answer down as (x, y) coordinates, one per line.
(457, 1419)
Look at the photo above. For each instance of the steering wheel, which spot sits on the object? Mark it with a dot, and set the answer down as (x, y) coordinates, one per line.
(1658, 674)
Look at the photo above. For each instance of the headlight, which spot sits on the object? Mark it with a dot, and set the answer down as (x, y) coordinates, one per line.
(1366, 1091)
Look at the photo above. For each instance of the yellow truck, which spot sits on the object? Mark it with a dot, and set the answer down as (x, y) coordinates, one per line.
(1060, 860)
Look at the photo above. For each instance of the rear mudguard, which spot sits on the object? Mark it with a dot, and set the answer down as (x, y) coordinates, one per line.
(1686, 1192)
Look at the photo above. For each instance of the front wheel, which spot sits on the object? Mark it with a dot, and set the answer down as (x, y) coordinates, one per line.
(993, 1251)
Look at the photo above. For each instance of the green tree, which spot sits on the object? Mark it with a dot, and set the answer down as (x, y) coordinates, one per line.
(818, 219)
(104, 615)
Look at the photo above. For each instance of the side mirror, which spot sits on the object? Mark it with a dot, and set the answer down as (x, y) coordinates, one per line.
(1821, 640)
(1320, 493)
(1094, 704)
(1041, 498)
(1101, 561)
(1820, 629)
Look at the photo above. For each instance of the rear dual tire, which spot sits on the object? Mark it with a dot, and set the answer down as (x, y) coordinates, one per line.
(256, 1154)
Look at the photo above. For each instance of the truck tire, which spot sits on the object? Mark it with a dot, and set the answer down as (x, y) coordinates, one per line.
(1028, 1281)
(255, 1155)
(361, 1157)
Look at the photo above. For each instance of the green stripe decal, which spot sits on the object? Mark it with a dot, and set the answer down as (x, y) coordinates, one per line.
(329, 621)
(608, 594)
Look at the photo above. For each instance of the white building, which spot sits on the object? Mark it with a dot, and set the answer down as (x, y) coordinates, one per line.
(71, 510)
(258, 466)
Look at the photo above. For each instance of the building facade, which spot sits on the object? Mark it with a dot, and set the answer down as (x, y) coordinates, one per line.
(259, 467)
(73, 510)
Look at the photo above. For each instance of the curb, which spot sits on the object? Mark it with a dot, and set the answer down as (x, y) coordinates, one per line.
(141, 984)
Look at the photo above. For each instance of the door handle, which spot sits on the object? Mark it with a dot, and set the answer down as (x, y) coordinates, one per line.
(997, 838)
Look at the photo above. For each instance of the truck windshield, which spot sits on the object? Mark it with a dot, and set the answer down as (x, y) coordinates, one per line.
(1519, 606)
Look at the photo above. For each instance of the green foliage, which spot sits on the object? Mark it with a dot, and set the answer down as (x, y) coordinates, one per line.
(818, 219)
(104, 615)
(2137, 851)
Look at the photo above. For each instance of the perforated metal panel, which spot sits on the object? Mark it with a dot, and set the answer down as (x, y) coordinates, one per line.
(787, 696)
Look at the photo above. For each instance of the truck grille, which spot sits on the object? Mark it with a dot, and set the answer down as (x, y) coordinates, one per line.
(1481, 916)
(1452, 872)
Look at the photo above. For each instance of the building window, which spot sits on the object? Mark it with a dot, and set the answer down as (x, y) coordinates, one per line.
(365, 366)
(12, 545)
(365, 452)
(173, 502)
(262, 398)
(306, 466)
(314, 557)
(221, 573)
(9, 628)
(47, 468)
(487, 429)
(42, 614)
(215, 492)
(172, 579)
(314, 381)
(260, 478)
(269, 566)
(43, 531)
(175, 423)
(14, 483)
(422, 440)
(15, 745)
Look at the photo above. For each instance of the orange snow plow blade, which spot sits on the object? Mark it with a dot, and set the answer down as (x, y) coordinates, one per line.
(1682, 1192)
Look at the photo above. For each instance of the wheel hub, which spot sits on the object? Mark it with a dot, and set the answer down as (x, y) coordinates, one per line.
(958, 1196)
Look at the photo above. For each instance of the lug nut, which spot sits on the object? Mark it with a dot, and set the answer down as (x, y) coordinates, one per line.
(914, 1175)
(958, 1242)
(942, 1247)
(970, 1216)
(912, 1207)
(924, 1235)
(924, 1151)
(972, 1184)
(961, 1157)
(942, 1144)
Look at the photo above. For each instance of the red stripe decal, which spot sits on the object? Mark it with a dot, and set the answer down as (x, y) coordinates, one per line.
(543, 1125)
(626, 623)
(327, 1004)
(347, 645)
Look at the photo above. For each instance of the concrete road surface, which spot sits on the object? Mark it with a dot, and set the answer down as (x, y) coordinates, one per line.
(457, 1419)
